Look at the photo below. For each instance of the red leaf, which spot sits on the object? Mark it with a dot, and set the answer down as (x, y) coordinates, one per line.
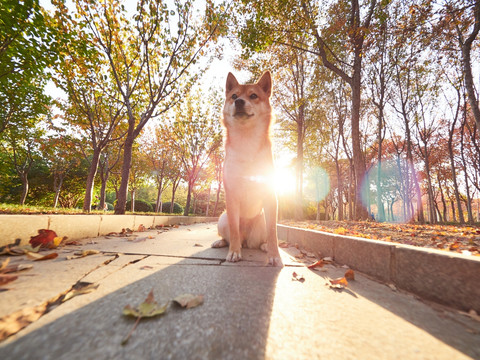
(317, 264)
(5, 279)
(44, 238)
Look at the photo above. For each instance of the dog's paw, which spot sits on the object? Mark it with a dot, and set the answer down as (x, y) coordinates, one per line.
(219, 243)
(275, 260)
(234, 256)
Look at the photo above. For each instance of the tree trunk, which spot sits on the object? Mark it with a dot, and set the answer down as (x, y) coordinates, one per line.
(358, 160)
(339, 189)
(132, 205)
(466, 47)
(57, 186)
(92, 172)
(189, 198)
(25, 188)
(158, 204)
(127, 161)
(454, 179)
(299, 165)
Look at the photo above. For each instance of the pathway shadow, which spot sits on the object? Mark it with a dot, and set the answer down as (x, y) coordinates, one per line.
(232, 323)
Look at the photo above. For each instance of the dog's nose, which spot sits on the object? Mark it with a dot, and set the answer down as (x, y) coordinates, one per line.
(239, 103)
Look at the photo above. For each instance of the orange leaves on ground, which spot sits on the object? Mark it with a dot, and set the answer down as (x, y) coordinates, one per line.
(456, 238)
(342, 283)
(340, 231)
(317, 264)
(350, 275)
(39, 257)
(46, 239)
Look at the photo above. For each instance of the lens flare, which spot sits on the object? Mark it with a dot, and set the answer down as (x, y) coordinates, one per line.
(388, 191)
(318, 184)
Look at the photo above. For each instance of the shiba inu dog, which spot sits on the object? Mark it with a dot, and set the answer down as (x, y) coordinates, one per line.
(250, 219)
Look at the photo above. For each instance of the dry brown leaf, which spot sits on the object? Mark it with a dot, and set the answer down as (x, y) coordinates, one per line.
(4, 264)
(141, 228)
(40, 257)
(189, 301)
(339, 283)
(16, 268)
(350, 275)
(5, 279)
(317, 264)
(297, 277)
(80, 289)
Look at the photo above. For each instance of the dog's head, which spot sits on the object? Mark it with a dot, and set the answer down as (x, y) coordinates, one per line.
(250, 101)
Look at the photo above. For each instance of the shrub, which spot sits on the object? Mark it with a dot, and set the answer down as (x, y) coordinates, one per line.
(177, 208)
(140, 206)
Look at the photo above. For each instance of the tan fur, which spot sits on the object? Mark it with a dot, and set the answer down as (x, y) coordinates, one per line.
(251, 215)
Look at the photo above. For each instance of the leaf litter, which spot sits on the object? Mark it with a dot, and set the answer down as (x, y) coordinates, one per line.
(150, 308)
(454, 238)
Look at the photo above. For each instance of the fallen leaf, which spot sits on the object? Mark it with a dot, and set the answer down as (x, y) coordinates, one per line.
(141, 228)
(19, 250)
(317, 264)
(349, 275)
(328, 260)
(86, 252)
(198, 245)
(73, 242)
(56, 242)
(148, 308)
(81, 254)
(43, 239)
(296, 277)
(139, 239)
(80, 289)
(5, 279)
(16, 268)
(339, 283)
(146, 267)
(4, 264)
(189, 301)
(40, 257)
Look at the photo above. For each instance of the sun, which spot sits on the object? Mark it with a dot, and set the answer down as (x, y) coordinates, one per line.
(284, 180)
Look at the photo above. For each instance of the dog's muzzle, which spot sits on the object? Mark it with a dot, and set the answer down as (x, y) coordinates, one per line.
(240, 109)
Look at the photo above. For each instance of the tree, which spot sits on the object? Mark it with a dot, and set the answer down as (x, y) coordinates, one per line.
(61, 156)
(195, 135)
(150, 57)
(26, 50)
(461, 20)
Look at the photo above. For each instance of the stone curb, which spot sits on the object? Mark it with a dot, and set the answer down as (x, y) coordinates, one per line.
(22, 227)
(446, 278)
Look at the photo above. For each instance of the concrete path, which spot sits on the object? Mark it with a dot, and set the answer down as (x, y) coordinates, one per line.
(250, 311)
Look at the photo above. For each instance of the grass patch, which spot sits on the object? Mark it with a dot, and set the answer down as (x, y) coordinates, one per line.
(32, 210)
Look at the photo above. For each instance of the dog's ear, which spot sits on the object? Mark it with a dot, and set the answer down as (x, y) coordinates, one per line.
(265, 83)
(231, 82)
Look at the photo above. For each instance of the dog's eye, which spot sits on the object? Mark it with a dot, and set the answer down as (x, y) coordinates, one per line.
(253, 96)
(234, 96)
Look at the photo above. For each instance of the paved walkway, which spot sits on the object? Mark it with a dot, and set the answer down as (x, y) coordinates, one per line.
(250, 311)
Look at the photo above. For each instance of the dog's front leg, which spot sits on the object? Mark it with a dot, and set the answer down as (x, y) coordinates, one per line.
(235, 247)
(270, 208)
